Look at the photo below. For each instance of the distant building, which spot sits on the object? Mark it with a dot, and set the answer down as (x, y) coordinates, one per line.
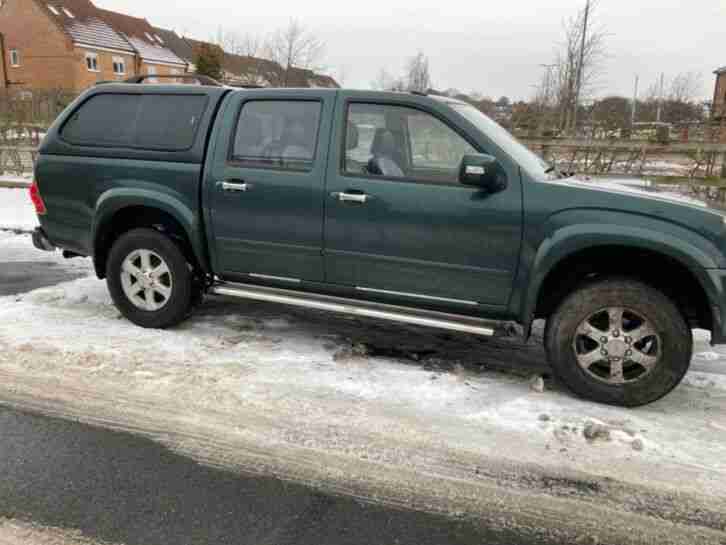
(247, 70)
(719, 97)
(153, 57)
(71, 45)
(60, 44)
(181, 47)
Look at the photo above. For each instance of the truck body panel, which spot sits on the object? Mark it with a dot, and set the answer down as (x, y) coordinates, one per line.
(279, 218)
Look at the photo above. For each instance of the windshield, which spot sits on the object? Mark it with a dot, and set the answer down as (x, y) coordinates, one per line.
(527, 159)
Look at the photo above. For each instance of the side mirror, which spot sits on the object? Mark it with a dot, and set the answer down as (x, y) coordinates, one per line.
(483, 171)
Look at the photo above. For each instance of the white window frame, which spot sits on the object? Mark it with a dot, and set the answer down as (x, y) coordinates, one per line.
(158, 39)
(68, 13)
(14, 58)
(93, 65)
(119, 62)
(151, 71)
(53, 10)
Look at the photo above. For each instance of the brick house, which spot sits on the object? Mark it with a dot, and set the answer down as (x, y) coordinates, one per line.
(719, 96)
(71, 44)
(60, 44)
(152, 54)
(178, 45)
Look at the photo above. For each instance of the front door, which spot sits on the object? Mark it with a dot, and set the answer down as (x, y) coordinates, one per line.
(399, 223)
(266, 186)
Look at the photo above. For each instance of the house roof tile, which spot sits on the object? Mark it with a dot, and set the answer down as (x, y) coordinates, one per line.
(299, 77)
(176, 43)
(248, 68)
(140, 34)
(80, 20)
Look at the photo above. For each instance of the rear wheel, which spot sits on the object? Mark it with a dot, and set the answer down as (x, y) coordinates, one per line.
(149, 279)
(619, 341)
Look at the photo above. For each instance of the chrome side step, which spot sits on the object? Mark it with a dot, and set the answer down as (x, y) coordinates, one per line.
(427, 318)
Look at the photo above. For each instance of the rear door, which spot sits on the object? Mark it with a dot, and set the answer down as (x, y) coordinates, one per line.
(265, 186)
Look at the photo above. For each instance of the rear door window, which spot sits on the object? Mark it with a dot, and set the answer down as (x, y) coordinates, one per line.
(281, 134)
(154, 122)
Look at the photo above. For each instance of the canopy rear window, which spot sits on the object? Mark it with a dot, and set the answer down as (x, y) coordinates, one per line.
(160, 122)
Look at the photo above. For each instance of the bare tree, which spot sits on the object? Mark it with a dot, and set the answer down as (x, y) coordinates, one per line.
(242, 61)
(677, 100)
(341, 75)
(228, 40)
(579, 64)
(258, 69)
(385, 81)
(294, 47)
(685, 87)
(418, 75)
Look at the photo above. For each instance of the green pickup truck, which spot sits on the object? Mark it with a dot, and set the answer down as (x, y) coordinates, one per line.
(395, 206)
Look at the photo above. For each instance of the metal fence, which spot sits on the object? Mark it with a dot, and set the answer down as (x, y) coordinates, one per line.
(24, 119)
(608, 157)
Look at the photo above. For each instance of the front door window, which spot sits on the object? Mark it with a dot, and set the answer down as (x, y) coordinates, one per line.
(406, 143)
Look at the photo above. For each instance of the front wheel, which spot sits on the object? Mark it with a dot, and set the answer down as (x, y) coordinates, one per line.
(149, 279)
(619, 341)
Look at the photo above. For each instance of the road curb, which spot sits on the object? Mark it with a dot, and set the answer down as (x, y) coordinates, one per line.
(14, 184)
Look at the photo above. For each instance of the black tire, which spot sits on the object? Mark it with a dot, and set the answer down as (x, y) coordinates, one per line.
(676, 341)
(178, 305)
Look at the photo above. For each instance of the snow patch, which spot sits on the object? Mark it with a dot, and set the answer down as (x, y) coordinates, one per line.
(16, 210)
(466, 394)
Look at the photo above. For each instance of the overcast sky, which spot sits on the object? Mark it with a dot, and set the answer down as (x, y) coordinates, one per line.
(491, 47)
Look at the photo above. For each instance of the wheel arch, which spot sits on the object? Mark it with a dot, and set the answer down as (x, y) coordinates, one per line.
(675, 267)
(122, 211)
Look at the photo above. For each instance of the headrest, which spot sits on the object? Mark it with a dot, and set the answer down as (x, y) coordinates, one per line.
(352, 138)
(250, 131)
(384, 143)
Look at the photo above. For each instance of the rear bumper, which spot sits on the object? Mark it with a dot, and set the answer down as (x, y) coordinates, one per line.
(40, 240)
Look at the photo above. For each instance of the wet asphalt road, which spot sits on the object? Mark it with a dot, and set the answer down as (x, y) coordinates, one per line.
(24, 276)
(120, 488)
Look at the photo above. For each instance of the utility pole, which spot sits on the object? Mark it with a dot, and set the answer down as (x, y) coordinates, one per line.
(660, 97)
(635, 102)
(581, 65)
(547, 92)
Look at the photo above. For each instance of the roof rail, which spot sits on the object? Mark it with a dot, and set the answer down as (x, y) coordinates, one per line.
(203, 80)
(420, 93)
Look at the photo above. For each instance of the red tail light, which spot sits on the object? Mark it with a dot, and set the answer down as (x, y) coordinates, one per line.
(37, 199)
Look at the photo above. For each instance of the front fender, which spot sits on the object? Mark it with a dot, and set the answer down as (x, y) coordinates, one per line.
(563, 235)
(114, 200)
